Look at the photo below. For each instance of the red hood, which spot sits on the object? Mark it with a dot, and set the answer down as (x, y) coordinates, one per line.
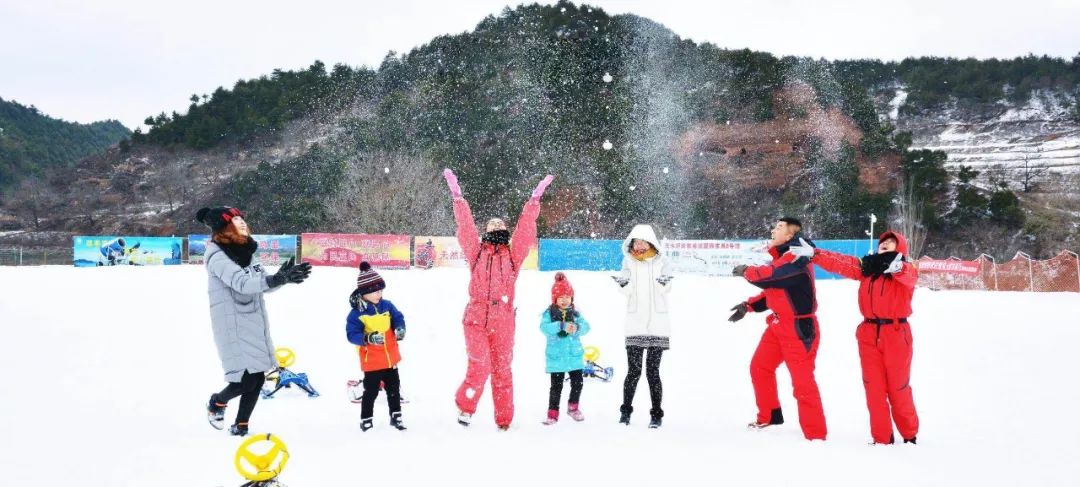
(901, 242)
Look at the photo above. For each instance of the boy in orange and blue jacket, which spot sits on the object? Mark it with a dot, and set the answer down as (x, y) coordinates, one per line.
(376, 326)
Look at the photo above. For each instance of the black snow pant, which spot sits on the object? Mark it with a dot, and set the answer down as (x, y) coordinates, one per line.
(555, 396)
(634, 357)
(249, 388)
(391, 381)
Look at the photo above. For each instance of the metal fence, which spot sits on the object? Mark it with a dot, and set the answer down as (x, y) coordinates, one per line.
(1060, 273)
(33, 256)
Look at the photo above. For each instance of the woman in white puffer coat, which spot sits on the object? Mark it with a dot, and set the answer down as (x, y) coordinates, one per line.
(646, 283)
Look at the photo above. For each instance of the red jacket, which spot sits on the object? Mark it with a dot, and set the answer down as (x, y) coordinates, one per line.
(494, 268)
(881, 297)
(787, 283)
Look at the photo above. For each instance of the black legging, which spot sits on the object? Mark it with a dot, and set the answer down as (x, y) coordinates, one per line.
(391, 381)
(249, 388)
(557, 378)
(652, 374)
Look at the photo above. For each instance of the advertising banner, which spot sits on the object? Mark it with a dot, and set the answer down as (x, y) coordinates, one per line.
(855, 248)
(948, 266)
(94, 251)
(273, 249)
(432, 251)
(347, 250)
(713, 257)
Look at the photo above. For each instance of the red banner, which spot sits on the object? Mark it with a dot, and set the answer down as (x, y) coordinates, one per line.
(949, 266)
(347, 250)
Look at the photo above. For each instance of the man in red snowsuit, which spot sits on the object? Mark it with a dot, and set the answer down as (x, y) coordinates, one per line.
(886, 284)
(489, 316)
(792, 335)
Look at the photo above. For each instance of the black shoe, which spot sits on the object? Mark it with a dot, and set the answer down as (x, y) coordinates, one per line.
(238, 430)
(395, 421)
(215, 414)
(912, 440)
(655, 422)
(625, 417)
(366, 424)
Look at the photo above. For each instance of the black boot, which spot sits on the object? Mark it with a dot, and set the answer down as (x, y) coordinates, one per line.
(911, 440)
(366, 424)
(625, 417)
(238, 429)
(776, 417)
(395, 421)
(215, 414)
(656, 416)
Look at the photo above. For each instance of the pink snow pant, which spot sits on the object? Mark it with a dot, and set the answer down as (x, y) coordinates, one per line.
(489, 341)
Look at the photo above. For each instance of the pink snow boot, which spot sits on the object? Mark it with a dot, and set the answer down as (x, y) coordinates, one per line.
(552, 417)
(575, 413)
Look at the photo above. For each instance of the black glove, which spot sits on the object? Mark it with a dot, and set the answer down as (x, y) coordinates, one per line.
(376, 338)
(399, 334)
(740, 311)
(663, 280)
(621, 280)
(739, 270)
(562, 334)
(876, 264)
(290, 273)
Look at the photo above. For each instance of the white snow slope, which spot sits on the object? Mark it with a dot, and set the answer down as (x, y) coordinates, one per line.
(108, 371)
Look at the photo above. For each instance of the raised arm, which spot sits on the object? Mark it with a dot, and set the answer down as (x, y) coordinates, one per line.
(524, 237)
(786, 272)
(467, 235)
(838, 263)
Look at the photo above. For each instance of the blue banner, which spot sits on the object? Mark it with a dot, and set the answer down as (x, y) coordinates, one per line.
(856, 248)
(94, 251)
(586, 255)
(273, 249)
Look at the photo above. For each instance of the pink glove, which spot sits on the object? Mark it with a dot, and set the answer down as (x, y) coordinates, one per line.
(451, 180)
(539, 191)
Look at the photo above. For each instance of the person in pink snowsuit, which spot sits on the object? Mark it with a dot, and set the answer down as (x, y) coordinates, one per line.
(494, 264)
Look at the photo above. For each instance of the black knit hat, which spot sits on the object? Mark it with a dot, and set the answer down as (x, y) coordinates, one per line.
(217, 218)
(369, 281)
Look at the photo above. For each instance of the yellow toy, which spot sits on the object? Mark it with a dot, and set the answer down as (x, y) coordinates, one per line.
(592, 353)
(285, 356)
(282, 377)
(592, 369)
(261, 468)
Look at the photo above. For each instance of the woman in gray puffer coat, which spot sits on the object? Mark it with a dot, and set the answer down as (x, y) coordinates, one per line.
(238, 313)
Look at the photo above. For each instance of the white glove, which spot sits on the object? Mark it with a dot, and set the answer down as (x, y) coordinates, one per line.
(896, 265)
(802, 250)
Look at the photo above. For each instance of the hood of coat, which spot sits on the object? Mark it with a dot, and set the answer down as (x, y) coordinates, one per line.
(901, 242)
(642, 232)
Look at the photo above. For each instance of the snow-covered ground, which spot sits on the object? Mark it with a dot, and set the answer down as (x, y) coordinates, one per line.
(108, 370)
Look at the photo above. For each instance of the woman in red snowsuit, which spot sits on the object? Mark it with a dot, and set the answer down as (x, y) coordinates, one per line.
(489, 317)
(886, 284)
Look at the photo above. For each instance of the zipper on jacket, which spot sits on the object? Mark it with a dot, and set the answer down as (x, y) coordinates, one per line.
(487, 305)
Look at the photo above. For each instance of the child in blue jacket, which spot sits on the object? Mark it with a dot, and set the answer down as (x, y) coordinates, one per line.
(563, 325)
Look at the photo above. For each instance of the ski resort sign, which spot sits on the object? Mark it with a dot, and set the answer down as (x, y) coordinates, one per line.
(949, 266)
(347, 250)
(713, 257)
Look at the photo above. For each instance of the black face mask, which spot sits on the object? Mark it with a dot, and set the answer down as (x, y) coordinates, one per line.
(497, 237)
